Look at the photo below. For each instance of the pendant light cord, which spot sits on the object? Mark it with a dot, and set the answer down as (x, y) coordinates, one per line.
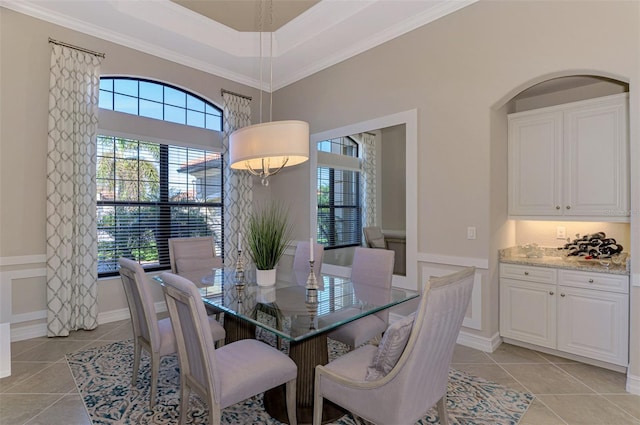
(270, 60)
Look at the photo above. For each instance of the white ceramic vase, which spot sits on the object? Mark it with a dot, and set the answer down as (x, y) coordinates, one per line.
(266, 277)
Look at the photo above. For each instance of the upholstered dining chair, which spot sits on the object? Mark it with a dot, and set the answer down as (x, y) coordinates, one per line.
(230, 374)
(372, 269)
(153, 335)
(374, 238)
(301, 258)
(193, 256)
(394, 383)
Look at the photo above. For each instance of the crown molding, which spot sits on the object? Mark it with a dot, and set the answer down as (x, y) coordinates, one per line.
(324, 35)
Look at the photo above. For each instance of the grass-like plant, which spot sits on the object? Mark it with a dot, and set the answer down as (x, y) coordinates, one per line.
(269, 234)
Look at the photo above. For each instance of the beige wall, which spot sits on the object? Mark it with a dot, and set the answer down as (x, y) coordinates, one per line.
(460, 72)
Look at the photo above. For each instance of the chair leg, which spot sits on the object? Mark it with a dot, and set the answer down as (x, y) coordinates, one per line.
(215, 414)
(137, 349)
(155, 365)
(317, 402)
(184, 401)
(291, 402)
(442, 410)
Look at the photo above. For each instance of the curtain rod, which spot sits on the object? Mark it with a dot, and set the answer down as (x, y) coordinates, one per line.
(223, 91)
(71, 46)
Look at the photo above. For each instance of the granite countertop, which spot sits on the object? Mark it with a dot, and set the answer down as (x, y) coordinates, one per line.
(556, 258)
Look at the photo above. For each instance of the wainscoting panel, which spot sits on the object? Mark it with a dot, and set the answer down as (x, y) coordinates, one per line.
(474, 320)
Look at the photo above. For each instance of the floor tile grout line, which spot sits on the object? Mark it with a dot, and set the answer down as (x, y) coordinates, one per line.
(26, 378)
(45, 409)
(577, 378)
(581, 381)
(531, 392)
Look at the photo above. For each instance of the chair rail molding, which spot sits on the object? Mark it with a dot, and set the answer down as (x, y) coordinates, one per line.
(452, 260)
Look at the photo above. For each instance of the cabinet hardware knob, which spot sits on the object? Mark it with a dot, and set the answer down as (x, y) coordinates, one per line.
(562, 295)
(557, 207)
(526, 273)
(568, 207)
(590, 280)
(550, 292)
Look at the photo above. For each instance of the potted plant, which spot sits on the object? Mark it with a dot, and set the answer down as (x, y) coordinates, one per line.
(269, 235)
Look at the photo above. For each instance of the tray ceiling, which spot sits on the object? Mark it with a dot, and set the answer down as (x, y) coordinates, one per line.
(217, 36)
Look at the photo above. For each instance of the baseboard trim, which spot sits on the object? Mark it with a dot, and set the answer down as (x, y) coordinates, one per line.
(633, 384)
(28, 332)
(488, 345)
(5, 349)
(40, 329)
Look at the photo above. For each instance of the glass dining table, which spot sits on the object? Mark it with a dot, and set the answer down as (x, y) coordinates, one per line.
(289, 311)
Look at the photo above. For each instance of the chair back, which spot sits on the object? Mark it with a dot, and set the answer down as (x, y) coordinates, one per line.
(190, 254)
(140, 299)
(374, 237)
(193, 337)
(301, 258)
(371, 275)
(420, 377)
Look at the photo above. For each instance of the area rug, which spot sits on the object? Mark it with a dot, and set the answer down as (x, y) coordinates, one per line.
(103, 378)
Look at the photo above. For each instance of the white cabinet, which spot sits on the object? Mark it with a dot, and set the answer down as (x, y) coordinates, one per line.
(570, 161)
(528, 312)
(592, 324)
(572, 311)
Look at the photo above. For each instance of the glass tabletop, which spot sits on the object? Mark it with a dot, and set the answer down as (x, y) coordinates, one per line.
(293, 312)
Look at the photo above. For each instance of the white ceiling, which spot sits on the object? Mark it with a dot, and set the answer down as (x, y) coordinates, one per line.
(326, 33)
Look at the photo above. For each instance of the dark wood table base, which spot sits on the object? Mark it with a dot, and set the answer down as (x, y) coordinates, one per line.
(275, 405)
(306, 354)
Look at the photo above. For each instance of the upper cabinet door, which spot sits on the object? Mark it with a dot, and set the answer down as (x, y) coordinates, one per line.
(535, 154)
(571, 161)
(595, 149)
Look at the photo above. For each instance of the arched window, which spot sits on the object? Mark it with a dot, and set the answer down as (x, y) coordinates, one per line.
(151, 188)
(160, 101)
(339, 222)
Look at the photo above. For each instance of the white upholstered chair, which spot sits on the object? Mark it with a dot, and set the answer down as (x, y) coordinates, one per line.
(301, 258)
(153, 335)
(193, 257)
(372, 269)
(230, 374)
(398, 384)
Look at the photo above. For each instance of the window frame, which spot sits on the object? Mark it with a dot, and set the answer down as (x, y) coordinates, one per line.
(163, 227)
(337, 162)
(149, 130)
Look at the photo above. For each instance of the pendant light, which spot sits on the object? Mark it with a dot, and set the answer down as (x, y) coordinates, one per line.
(266, 148)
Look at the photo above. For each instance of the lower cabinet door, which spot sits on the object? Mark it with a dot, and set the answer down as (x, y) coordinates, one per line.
(528, 312)
(594, 324)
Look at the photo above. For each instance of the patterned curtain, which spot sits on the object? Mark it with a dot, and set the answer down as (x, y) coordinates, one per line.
(72, 246)
(368, 179)
(238, 192)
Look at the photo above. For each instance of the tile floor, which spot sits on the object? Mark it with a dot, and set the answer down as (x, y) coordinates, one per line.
(41, 389)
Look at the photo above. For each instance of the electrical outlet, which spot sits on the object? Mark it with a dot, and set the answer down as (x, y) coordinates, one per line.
(471, 232)
(561, 232)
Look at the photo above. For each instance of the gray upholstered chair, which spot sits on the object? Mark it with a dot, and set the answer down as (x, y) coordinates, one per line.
(301, 258)
(193, 257)
(230, 374)
(394, 383)
(149, 333)
(371, 270)
(374, 238)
